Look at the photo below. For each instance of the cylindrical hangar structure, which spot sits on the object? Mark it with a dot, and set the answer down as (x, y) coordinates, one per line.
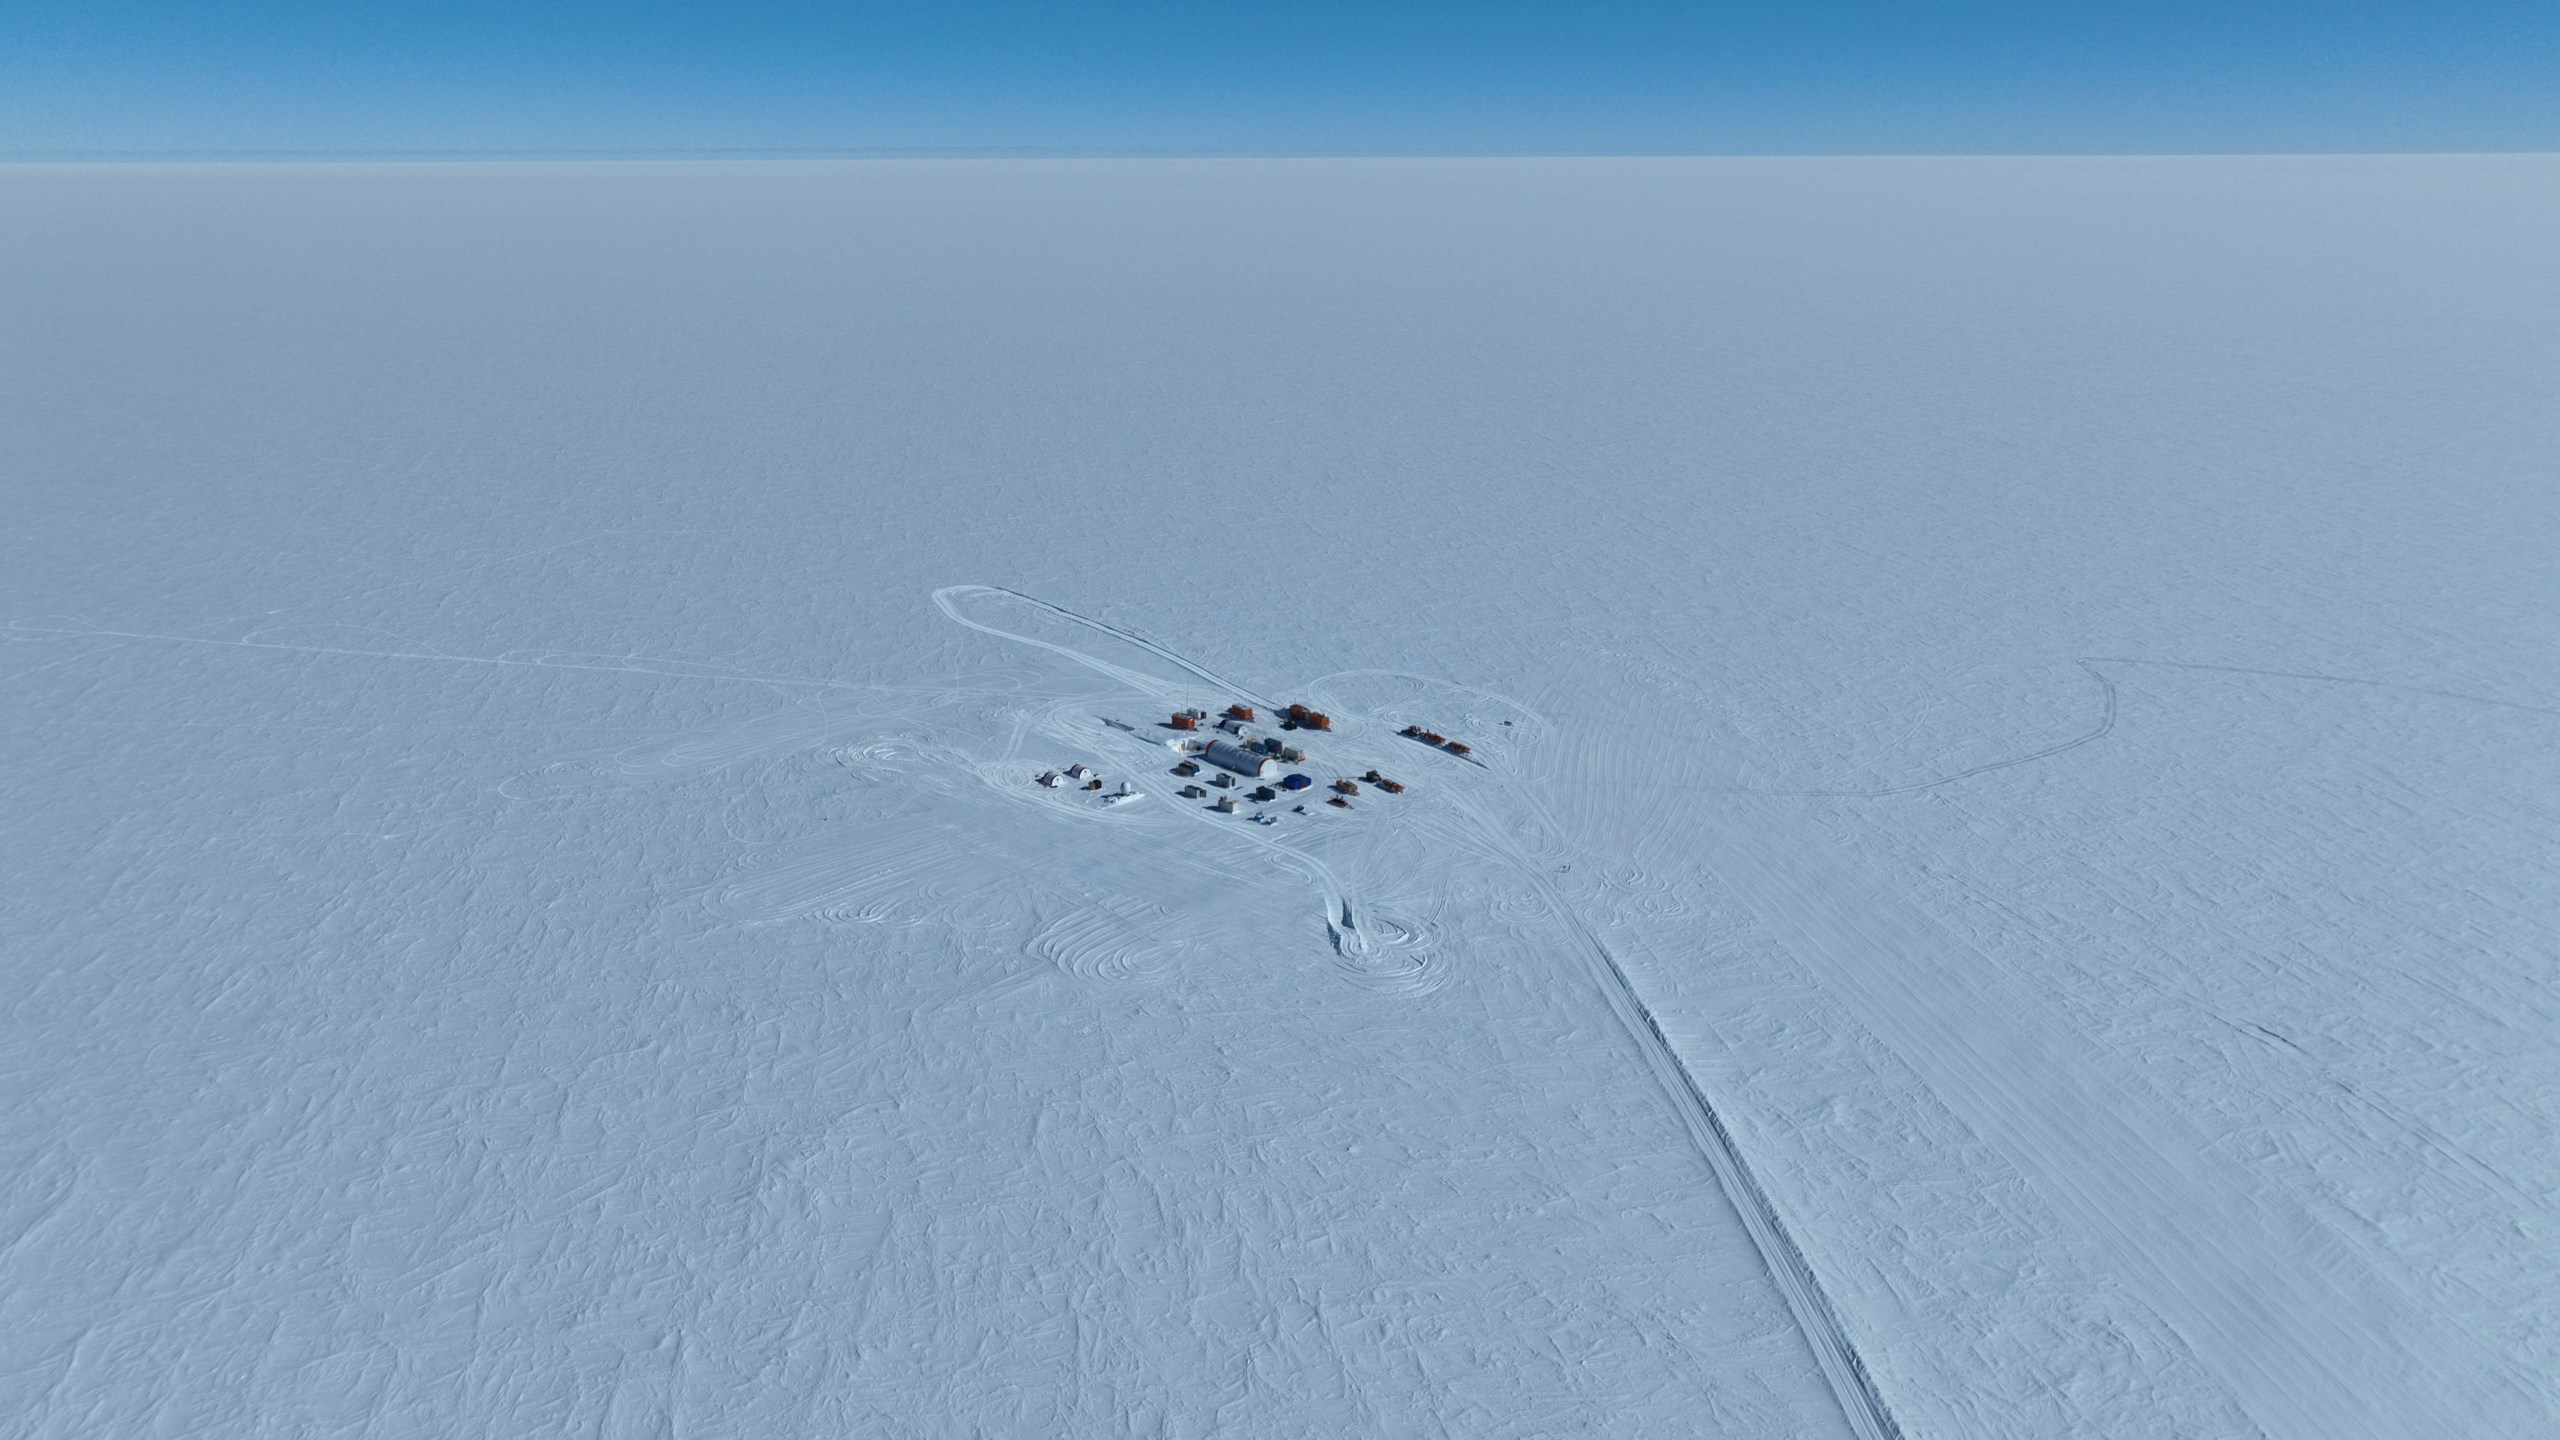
(1227, 755)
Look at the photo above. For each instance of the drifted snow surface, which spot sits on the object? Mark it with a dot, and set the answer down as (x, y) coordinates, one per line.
(2004, 885)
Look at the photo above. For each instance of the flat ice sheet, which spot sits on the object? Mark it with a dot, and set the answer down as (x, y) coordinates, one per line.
(2001, 885)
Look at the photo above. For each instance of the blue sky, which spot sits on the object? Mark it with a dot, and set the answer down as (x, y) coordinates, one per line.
(1396, 76)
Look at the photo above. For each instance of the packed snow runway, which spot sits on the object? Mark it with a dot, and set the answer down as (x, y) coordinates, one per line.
(1994, 882)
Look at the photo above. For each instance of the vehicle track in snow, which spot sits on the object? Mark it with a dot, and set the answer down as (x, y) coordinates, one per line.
(1815, 1316)
(1843, 1371)
(1153, 685)
(2310, 1342)
(1842, 1367)
(2099, 729)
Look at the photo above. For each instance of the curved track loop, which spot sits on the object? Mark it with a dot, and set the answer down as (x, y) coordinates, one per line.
(2098, 730)
(1107, 945)
(2103, 726)
(1402, 960)
(946, 597)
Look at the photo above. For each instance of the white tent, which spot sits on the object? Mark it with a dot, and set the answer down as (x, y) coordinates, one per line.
(1227, 755)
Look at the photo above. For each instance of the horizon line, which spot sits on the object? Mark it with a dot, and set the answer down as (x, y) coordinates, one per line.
(1006, 152)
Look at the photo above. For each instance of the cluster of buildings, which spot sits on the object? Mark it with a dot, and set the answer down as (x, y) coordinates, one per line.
(1232, 754)
(1227, 762)
(1085, 777)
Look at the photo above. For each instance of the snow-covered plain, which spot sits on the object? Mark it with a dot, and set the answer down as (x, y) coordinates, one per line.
(2006, 884)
